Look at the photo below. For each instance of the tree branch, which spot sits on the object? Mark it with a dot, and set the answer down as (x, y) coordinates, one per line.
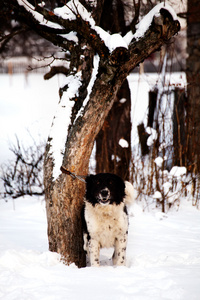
(49, 33)
(56, 70)
(136, 16)
(4, 40)
(161, 30)
(79, 25)
(112, 73)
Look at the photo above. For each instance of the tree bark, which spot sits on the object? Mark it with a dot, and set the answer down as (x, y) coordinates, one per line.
(110, 156)
(179, 130)
(193, 88)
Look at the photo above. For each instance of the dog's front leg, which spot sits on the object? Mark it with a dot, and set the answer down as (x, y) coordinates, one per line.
(119, 256)
(94, 250)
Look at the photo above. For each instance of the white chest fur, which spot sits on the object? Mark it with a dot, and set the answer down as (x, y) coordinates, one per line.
(106, 223)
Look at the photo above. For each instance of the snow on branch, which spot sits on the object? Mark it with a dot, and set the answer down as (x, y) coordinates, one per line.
(38, 16)
(145, 23)
(90, 86)
(71, 18)
(74, 17)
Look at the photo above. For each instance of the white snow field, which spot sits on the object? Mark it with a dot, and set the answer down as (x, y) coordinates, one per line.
(163, 258)
(163, 255)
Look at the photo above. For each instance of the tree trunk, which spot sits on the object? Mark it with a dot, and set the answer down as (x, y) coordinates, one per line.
(193, 80)
(179, 130)
(64, 219)
(64, 196)
(111, 157)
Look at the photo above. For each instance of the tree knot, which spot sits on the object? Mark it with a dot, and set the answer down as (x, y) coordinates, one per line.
(119, 56)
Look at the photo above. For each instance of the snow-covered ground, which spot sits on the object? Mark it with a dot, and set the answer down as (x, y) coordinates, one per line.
(163, 258)
(163, 250)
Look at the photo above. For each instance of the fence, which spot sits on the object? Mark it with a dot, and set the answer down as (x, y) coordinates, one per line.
(23, 65)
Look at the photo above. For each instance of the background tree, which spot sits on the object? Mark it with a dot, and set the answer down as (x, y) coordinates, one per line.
(97, 63)
(193, 88)
(110, 155)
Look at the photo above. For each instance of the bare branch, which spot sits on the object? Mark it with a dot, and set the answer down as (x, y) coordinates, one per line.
(137, 13)
(56, 70)
(4, 40)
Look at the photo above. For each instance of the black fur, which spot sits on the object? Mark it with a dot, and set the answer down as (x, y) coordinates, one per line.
(102, 182)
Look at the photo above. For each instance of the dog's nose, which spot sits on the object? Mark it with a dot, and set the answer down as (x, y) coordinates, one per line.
(104, 193)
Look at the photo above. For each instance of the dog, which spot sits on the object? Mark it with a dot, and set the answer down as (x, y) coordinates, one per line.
(105, 216)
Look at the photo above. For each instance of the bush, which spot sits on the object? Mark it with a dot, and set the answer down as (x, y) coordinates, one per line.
(23, 175)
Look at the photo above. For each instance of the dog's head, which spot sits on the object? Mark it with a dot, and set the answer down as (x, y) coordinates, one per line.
(104, 188)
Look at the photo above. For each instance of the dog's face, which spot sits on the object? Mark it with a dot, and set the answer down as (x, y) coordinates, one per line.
(104, 189)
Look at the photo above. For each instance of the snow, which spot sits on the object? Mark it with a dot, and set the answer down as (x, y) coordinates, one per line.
(30, 8)
(115, 41)
(71, 36)
(139, 86)
(166, 187)
(163, 258)
(123, 143)
(145, 23)
(62, 121)
(157, 195)
(27, 106)
(96, 60)
(178, 171)
(112, 41)
(152, 136)
(122, 100)
(158, 161)
(72, 9)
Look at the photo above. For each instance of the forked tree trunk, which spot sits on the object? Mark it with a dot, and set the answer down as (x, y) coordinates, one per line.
(64, 196)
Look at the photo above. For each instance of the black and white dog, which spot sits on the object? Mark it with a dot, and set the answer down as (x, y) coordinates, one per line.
(105, 217)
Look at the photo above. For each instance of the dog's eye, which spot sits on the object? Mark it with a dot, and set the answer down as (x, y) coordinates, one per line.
(98, 182)
(110, 182)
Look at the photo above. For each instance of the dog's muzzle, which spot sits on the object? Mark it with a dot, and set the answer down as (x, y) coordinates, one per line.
(104, 196)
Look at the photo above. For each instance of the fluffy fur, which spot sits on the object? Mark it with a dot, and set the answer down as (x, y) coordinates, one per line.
(105, 217)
